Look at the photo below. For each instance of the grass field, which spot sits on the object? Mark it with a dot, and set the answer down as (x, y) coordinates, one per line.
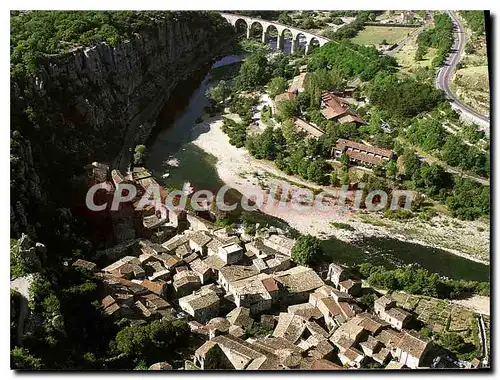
(374, 35)
(406, 57)
(471, 84)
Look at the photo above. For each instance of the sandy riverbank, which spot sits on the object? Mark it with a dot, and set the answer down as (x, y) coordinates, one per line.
(252, 177)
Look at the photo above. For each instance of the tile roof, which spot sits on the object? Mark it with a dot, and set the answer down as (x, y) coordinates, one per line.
(398, 314)
(299, 279)
(214, 262)
(219, 324)
(371, 343)
(199, 237)
(156, 287)
(335, 106)
(284, 96)
(308, 127)
(199, 266)
(290, 327)
(344, 144)
(390, 337)
(240, 316)
(234, 273)
(201, 299)
(305, 310)
(381, 355)
(325, 365)
(353, 354)
(270, 284)
(107, 301)
(413, 343)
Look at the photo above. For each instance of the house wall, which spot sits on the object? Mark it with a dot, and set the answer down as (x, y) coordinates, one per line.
(407, 359)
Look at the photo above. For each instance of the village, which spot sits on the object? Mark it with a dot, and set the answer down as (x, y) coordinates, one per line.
(336, 107)
(253, 308)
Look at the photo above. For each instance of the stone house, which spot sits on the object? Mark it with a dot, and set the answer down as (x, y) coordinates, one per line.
(210, 356)
(232, 273)
(352, 357)
(257, 293)
(202, 269)
(198, 241)
(411, 349)
(336, 274)
(280, 243)
(297, 283)
(157, 287)
(202, 305)
(350, 287)
(385, 308)
(185, 282)
(230, 253)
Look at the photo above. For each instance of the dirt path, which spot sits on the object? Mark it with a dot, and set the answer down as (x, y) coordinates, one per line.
(479, 304)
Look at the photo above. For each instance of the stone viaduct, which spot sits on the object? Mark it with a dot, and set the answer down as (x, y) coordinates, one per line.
(266, 25)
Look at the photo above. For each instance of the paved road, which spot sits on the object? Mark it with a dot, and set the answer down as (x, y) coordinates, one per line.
(446, 73)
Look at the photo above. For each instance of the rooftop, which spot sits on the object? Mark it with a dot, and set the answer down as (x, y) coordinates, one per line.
(234, 273)
(398, 314)
(240, 316)
(199, 237)
(214, 262)
(299, 279)
(199, 266)
(413, 343)
(201, 299)
(343, 144)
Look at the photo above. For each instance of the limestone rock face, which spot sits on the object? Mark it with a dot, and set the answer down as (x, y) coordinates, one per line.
(95, 103)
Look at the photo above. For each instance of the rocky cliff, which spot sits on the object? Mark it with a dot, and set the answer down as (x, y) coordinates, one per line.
(94, 103)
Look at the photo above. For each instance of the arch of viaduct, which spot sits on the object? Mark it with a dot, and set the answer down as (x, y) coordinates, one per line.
(266, 25)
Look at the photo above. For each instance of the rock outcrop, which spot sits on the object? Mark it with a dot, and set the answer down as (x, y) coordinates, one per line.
(95, 103)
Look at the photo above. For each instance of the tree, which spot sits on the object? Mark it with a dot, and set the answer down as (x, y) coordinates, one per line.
(284, 18)
(289, 130)
(253, 71)
(20, 358)
(287, 109)
(391, 169)
(277, 86)
(434, 178)
(139, 155)
(220, 92)
(317, 171)
(452, 342)
(344, 159)
(334, 179)
(150, 342)
(409, 164)
(306, 250)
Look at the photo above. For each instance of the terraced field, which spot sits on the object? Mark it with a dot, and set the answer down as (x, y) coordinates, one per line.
(440, 315)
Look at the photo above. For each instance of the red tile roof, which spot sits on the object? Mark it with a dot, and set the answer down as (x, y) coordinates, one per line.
(335, 106)
(270, 284)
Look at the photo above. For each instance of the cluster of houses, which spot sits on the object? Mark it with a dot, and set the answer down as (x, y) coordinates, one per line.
(337, 108)
(223, 283)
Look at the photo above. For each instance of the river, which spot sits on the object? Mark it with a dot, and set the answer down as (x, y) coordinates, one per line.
(174, 135)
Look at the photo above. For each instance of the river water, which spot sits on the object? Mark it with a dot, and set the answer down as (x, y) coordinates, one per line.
(173, 138)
